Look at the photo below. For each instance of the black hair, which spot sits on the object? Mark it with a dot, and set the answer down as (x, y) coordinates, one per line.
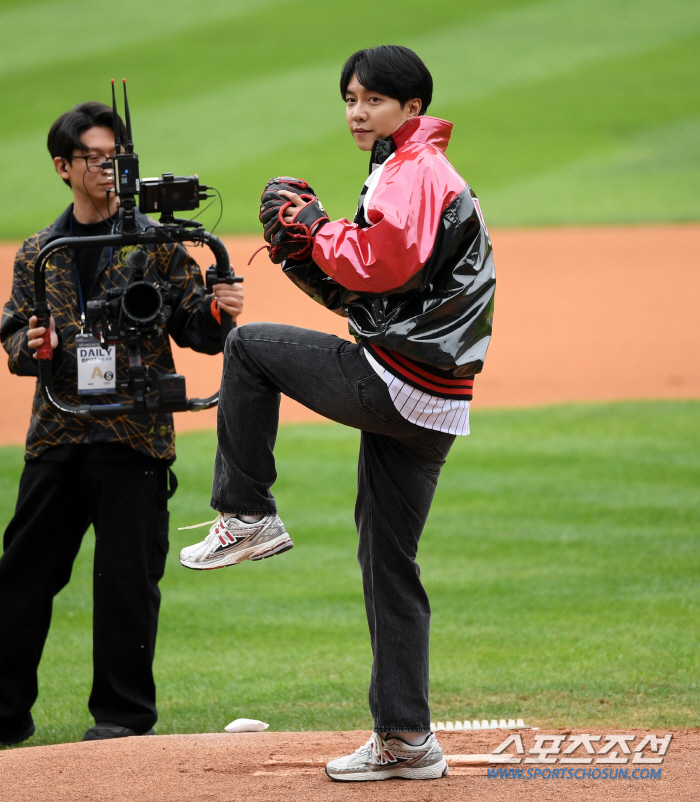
(391, 70)
(64, 136)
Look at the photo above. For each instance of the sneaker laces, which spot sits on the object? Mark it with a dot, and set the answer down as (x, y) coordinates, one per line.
(378, 747)
(198, 526)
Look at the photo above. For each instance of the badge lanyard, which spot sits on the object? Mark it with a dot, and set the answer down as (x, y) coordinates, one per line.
(81, 299)
(96, 366)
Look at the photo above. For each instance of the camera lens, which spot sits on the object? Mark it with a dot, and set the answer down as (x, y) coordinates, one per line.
(141, 302)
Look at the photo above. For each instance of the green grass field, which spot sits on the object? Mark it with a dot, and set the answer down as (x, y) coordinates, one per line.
(562, 558)
(565, 111)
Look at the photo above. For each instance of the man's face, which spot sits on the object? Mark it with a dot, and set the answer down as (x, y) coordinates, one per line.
(373, 116)
(93, 182)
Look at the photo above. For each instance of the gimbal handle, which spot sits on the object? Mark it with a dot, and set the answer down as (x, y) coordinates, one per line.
(155, 235)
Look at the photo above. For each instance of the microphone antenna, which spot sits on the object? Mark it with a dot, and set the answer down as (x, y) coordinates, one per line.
(129, 144)
(115, 119)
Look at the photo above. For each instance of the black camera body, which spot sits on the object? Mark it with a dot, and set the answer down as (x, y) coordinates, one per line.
(131, 315)
(126, 174)
(138, 310)
(171, 193)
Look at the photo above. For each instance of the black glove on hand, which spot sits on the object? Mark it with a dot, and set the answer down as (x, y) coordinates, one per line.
(290, 240)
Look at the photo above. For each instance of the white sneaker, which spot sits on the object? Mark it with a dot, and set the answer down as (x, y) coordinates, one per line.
(381, 759)
(231, 541)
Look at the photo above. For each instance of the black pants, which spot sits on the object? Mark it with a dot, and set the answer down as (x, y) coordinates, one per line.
(398, 472)
(124, 496)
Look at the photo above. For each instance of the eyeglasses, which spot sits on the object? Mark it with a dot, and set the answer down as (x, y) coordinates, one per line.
(95, 161)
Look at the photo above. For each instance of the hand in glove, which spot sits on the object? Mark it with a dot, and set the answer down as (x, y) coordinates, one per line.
(291, 215)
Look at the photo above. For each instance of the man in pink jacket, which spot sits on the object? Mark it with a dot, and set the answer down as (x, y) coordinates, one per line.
(414, 275)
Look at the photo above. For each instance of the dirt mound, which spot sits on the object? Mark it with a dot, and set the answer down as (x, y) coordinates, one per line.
(263, 767)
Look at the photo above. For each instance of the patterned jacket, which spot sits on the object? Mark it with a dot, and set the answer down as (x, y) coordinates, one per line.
(191, 324)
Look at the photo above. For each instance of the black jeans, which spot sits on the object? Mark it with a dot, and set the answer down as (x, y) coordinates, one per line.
(58, 500)
(398, 472)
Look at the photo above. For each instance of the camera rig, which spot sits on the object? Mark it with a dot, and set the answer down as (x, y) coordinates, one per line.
(135, 313)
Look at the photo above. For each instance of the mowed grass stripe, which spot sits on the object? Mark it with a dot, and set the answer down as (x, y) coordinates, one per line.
(561, 558)
(530, 86)
(195, 113)
(233, 53)
(544, 41)
(28, 34)
(653, 176)
(600, 150)
(488, 49)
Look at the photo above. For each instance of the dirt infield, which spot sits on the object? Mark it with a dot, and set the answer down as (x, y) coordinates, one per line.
(271, 766)
(581, 314)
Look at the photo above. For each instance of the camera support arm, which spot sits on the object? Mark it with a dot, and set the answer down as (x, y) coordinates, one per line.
(167, 401)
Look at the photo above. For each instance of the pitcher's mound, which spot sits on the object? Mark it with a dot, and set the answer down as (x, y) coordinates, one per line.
(261, 767)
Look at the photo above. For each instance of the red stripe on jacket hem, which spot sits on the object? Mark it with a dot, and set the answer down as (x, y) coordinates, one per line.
(462, 390)
(447, 381)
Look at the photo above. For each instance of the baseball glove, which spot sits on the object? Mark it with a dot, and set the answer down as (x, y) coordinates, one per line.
(290, 240)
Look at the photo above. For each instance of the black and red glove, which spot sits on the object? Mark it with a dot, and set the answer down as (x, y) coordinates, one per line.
(290, 240)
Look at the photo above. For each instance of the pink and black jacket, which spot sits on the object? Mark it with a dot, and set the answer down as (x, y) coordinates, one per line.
(414, 271)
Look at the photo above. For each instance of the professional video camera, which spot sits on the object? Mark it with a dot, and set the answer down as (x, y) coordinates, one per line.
(134, 314)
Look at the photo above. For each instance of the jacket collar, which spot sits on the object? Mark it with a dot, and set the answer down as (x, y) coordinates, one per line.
(425, 130)
(60, 226)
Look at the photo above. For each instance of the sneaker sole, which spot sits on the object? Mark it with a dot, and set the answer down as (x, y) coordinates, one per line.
(278, 549)
(261, 552)
(434, 772)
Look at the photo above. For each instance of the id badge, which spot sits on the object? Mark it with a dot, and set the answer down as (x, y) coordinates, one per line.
(97, 369)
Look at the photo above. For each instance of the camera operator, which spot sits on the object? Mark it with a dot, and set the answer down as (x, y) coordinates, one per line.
(111, 472)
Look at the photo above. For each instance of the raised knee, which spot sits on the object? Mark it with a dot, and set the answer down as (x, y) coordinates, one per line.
(256, 331)
(243, 341)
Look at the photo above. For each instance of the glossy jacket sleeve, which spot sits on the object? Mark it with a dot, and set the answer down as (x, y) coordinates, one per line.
(310, 279)
(405, 208)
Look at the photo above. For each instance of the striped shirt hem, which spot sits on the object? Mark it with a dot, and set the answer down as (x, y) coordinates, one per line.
(448, 415)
